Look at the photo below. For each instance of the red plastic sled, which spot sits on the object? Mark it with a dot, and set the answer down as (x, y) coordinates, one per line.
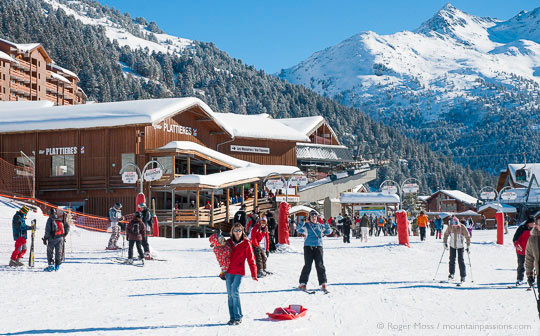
(290, 313)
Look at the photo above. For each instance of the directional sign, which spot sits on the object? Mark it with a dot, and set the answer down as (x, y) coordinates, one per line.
(274, 184)
(410, 188)
(508, 195)
(130, 177)
(153, 174)
(290, 198)
(389, 190)
(488, 195)
(297, 181)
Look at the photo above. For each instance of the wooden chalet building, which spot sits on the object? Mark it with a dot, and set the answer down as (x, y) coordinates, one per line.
(453, 201)
(28, 73)
(211, 160)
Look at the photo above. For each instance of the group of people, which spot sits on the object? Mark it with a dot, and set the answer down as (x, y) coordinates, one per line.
(136, 230)
(54, 237)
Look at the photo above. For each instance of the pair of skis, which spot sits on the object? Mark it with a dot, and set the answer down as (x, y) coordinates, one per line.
(125, 261)
(307, 291)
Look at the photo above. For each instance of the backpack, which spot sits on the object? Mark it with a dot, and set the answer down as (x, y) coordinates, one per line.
(59, 229)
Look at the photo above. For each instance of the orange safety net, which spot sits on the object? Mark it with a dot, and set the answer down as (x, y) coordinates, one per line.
(16, 180)
(88, 222)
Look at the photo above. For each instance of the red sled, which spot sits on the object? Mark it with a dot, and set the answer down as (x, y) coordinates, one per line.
(290, 313)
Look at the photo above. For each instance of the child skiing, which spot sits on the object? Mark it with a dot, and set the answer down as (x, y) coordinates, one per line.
(20, 235)
(459, 236)
(438, 227)
(521, 237)
(135, 231)
(260, 240)
(55, 231)
(115, 216)
(223, 252)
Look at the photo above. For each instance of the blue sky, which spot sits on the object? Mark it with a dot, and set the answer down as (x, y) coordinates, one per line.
(276, 34)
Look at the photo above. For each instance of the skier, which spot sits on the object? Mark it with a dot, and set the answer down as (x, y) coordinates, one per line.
(371, 224)
(55, 231)
(223, 251)
(135, 231)
(364, 227)
(20, 235)
(347, 229)
(520, 240)
(115, 215)
(259, 239)
(148, 220)
(438, 227)
(272, 231)
(422, 222)
(313, 250)
(457, 233)
(241, 252)
(240, 216)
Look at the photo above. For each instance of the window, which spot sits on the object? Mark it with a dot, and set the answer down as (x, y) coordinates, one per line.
(128, 158)
(22, 161)
(166, 161)
(63, 165)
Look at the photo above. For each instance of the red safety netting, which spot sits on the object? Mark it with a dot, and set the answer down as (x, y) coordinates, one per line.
(16, 180)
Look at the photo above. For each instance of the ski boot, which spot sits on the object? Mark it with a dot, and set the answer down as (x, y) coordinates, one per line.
(324, 288)
(260, 274)
(519, 283)
(129, 261)
(49, 268)
(222, 276)
(302, 287)
(450, 277)
(19, 262)
(12, 263)
(148, 256)
(57, 267)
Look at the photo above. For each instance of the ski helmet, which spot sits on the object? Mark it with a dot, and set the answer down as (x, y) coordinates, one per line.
(52, 212)
(118, 205)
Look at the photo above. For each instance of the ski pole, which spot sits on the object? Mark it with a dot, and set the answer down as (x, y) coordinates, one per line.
(439, 265)
(536, 299)
(470, 265)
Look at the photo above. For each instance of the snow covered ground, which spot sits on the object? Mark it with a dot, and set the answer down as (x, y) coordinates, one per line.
(378, 288)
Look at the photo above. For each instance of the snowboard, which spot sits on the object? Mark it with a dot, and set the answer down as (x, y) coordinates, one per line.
(31, 255)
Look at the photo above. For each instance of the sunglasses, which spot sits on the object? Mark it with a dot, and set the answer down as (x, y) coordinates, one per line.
(237, 230)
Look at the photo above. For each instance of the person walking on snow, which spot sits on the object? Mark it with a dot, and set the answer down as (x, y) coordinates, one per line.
(347, 229)
(55, 231)
(470, 225)
(459, 240)
(422, 222)
(260, 237)
(438, 227)
(520, 240)
(148, 220)
(364, 227)
(380, 225)
(532, 253)
(135, 232)
(241, 252)
(115, 216)
(20, 235)
(313, 250)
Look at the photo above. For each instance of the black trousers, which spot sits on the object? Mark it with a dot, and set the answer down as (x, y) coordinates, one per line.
(422, 233)
(461, 262)
(346, 235)
(313, 253)
(521, 267)
(139, 249)
(145, 245)
(272, 246)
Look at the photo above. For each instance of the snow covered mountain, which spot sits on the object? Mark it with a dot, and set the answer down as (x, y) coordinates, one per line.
(455, 70)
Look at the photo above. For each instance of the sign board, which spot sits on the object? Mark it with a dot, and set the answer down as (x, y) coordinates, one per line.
(153, 174)
(291, 198)
(274, 184)
(508, 195)
(130, 177)
(487, 195)
(298, 180)
(250, 149)
(389, 190)
(410, 188)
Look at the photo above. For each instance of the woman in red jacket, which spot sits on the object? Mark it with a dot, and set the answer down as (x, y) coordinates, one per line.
(241, 251)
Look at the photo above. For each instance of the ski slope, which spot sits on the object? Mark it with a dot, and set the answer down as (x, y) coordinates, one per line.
(378, 288)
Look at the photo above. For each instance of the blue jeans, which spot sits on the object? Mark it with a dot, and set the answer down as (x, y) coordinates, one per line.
(233, 285)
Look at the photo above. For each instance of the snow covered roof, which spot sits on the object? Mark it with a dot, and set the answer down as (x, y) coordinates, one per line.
(24, 104)
(300, 208)
(460, 196)
(304, 125)
(60, 78)
(468, 213)
(371, 197)
(318, 152)
(258, 126)
(99, 115)
(66, 71)
(25, 47)
(6, 57)
(423, 198)
(232, 177)
(530, 168)
(499, 207)
(195, 147)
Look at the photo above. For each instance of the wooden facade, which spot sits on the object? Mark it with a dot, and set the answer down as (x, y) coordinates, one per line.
(441, 202)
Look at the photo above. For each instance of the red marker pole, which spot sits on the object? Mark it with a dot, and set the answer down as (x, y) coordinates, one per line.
(499, 216)
(403, 227)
